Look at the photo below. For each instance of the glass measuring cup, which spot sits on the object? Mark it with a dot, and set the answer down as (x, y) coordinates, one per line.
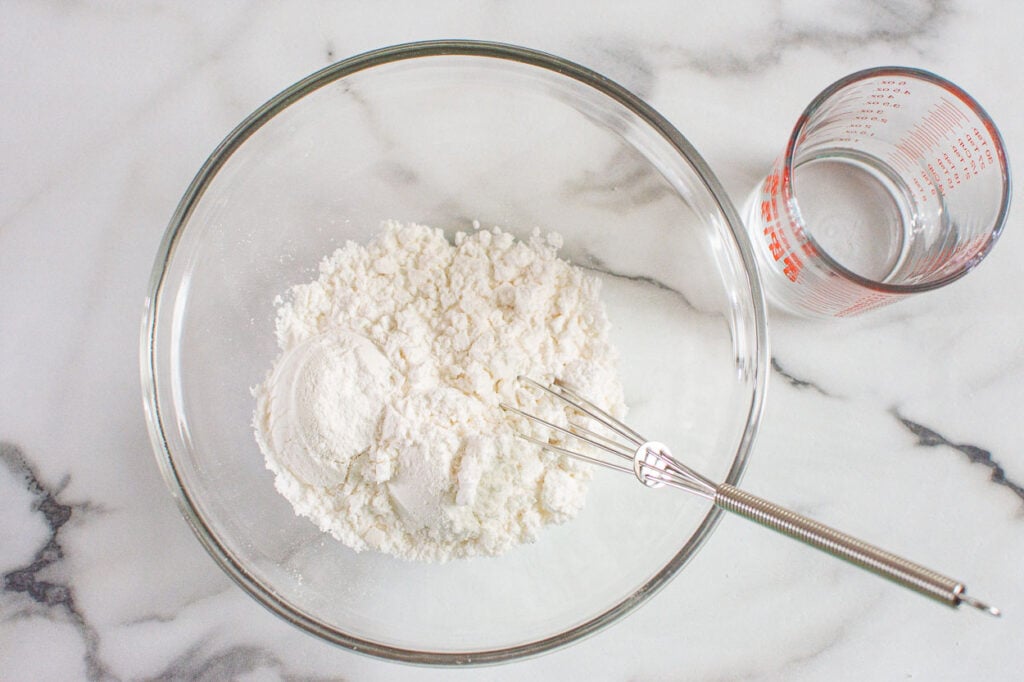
(894, 182)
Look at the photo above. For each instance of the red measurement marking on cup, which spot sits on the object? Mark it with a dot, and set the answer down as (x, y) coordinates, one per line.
(940, 153)
(869, 302)
(778, 244)
(792, 266)
(876, 109)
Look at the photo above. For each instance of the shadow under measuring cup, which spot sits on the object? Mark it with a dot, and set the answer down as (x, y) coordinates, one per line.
(894, 182)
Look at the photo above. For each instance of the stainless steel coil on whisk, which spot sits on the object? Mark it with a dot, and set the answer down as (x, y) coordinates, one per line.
(653, 465)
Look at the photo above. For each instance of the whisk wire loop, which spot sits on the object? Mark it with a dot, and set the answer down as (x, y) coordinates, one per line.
(652, 462)
(578, 402)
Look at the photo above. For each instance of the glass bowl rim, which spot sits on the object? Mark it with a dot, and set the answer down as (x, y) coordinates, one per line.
(234, 568)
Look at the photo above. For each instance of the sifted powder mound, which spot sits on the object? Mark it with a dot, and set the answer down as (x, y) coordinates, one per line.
(381, 417)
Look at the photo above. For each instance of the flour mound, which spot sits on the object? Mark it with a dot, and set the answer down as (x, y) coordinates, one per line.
(380, 419)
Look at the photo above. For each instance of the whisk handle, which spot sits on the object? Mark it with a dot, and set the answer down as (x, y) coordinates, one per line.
(907, 573)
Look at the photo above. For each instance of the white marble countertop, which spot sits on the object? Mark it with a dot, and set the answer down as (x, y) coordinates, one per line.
(902, 426)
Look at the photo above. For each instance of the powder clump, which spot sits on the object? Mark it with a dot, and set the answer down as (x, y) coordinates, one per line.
(381, 420)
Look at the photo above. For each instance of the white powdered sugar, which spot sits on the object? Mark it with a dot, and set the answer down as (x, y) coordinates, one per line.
(381, 417)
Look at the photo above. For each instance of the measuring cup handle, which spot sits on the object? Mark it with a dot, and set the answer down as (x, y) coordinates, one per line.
(907, 573)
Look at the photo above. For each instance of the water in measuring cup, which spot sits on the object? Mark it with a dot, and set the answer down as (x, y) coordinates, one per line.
(859, 214)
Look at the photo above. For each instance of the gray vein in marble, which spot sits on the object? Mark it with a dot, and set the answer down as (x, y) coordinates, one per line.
(390, 169)
(796, 382)
(931, 439)
(830, 634)
(794, 663)
(622, 61)
(228, 664)
(369, 113)
(896, 24)
(179, 608)
(51, 595)
(625, 183)
(112, 132)
(592, 263)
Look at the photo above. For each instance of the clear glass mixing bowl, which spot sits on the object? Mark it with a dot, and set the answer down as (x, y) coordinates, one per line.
(444, 133)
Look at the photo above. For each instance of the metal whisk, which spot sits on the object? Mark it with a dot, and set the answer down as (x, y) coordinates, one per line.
(653, 465)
